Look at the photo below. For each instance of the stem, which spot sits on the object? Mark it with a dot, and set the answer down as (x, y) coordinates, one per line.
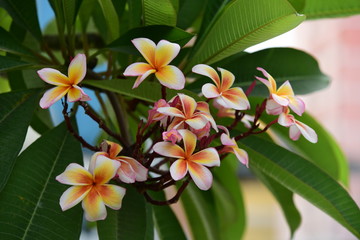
(170, 201)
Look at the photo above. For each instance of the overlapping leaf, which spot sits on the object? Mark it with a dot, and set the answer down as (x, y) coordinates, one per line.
(159, 12)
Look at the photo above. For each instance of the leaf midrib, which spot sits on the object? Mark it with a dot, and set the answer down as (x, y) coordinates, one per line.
(15, 108)
(45, 187)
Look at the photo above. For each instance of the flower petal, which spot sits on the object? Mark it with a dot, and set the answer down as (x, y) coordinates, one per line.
(297, 105)
(74, 94)
(270, 83)
(207, 71)
(105, 169)
(283, 101)
(114, 149)
(75, 174)
(208, 157)
(189, 141)
(286, 120)
(111, 195)
(165, 52)
(273, 108)
(227, 79)
(226, 140)
(73, 196)
(137, 69)
(171, 77)
(178, 169)
(294, 133)
(241, 155)
(235, 98)
(54, 77)
(307, 131)
(126, 173)
(285, 90)
(147, 48)
(141, 78)
(94, 206)
(77, 69)
(201, 175)
(53, 95)
(197, 122)
(140, 170)
(210, 91)
(189, 105)
(168, 149)
(171, 111)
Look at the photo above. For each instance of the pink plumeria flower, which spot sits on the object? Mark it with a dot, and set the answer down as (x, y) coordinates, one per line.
(231, 146)
(158, 57)
(172, 136)
(284, 95)
(188, 161)
(203, 132)
(129, 170)
(92, 188)
(154, 115)
(196, 115)
(64, 84)
(297, 128)
(224, 95)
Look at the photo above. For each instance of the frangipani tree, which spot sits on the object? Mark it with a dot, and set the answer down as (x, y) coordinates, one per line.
(178, 104)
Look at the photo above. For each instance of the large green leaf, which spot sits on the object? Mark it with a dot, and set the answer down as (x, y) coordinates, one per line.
(242, 24)
(71, 9)
(10, 44)
(166, 223)
(300, 68)
(23, 13)
(228, 199)
(314, 9)
(30, 201)
(9, 64)
(304, 178)
(189, 11)
(130, 222)
(199, 209)
(155, 33)
(124, 87)
(15, 115)
(159, 12)
(284, 198)
(326, 153)
(111, 18)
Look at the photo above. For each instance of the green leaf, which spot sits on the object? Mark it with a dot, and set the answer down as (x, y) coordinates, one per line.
(284, 198)
(166, 223)
(300, 68)
(314, 9)
(130, 222)
(124, 87)
(155, 33)
(159, 12)
(41, 121)
(30, 201)
(111, 18)
(326, 153)
(189, 11)
(70, 9)
(15, 115)
(9, 64)
(237, 27)
(304, 178)
(199, 209)
(23, 13)
(10, 44)
(228, 199)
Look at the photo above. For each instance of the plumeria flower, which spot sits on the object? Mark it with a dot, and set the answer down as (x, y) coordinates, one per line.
(158, 57)
(64, 84)
(196, 115)
(284, 95)
(188, 161)
(297, 128)
(172, 136)
(129, 170)
(92, 188)
(231, 146)
(224, 95)
(154, 115)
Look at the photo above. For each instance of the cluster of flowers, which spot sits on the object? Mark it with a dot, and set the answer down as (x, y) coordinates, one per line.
(184, 122)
